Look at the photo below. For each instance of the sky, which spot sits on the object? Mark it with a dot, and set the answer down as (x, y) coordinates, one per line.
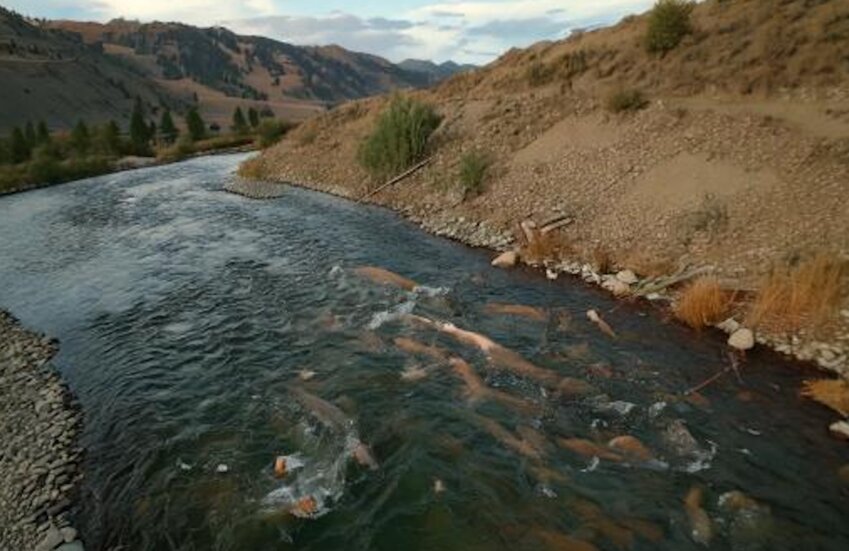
(466, 31)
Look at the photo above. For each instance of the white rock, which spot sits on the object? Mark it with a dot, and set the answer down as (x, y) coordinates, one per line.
(742, 339)
(615, 286)
(627, 276)
(222, 468)
(840, 429)
(506, 260)
(550, 274)
(729, 326)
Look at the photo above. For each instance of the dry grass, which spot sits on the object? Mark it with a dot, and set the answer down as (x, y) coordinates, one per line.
(543, 246)
(703, 302)
(833, 393)
(805, 297)
(253, 168)
(648, 264)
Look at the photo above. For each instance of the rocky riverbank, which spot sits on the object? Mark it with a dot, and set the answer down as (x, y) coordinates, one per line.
(39, 453)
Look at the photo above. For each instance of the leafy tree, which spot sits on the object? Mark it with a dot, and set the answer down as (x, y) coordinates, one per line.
(139, 130)
(19, 150)
(42, 134)
(80, 140)
(253, 117)
(240, 126)
(195, 125)
(167, 129)
(29, 134)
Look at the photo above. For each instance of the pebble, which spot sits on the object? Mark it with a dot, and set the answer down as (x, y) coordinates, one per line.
(627, 276)
(742, 339)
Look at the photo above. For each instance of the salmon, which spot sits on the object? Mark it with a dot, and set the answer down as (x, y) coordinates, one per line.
(594, 317)
(700, 525)
(412, 346)
(477, 390)
(362, 454)
(586, 448)
(326, 412)
(595, 519)
(555, 541)
(508, 438)
(385, 277)
(631, 448)
(521, 310)
(280, 467)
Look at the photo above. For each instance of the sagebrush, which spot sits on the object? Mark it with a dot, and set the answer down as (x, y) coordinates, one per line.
(668, 24)
(473, 169)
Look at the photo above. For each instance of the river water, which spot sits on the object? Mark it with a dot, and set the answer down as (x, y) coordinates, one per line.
(206, 334)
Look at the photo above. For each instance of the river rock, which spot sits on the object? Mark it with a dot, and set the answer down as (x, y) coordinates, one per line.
(72, 546)
(506, 260)
(616, 286)
(69, 534)
(742, 339)
(627, 277)
(678, 439)
(729, 326)
(51, 540)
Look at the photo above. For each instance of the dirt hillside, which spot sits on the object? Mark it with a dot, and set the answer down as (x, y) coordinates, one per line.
(739, 161)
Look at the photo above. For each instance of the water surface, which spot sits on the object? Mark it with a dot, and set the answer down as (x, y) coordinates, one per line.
(186, 315)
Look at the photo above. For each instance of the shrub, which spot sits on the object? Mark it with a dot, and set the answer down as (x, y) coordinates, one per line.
(252, 169)
(473, 167)
(668, 23)
(539, 74)
(806, 296)
(626, 100)
(400, 137)
(703, 302)
(270, 131)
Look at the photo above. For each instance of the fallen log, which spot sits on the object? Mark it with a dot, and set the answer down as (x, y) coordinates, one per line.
(396, 179)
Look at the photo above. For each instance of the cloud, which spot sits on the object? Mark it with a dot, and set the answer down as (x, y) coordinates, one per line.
(522, 30)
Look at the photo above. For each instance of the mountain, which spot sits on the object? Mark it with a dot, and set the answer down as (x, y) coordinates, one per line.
(52, 75)
(435, 72)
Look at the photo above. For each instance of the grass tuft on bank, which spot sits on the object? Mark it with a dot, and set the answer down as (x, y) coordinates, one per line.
(703, 302)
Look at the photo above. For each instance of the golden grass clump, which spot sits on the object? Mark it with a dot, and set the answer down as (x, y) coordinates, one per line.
(252, 169)
(833, 393)
(805, 297)
(703, 302)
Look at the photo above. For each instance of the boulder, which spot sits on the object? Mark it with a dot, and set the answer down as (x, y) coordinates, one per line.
(729, 326)
(506, 260)
(627, 276)
(742, 339)
(616, 286)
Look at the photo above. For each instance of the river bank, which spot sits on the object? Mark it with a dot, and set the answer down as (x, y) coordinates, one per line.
(39, 454)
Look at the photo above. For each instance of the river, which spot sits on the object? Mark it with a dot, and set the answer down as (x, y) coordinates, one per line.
(193, 322)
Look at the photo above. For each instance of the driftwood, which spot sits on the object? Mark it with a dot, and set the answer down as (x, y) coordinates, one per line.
(396, 179)
(561, 222)
(659, 284)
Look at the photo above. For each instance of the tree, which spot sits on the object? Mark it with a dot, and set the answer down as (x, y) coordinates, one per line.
(253, 117)
(239, 124)
(109, 139)
(668, 24)
(42, 134)
(19, 150)
(151, 131)
(167, 129)
(195, 125)
(139, 130)
(80, 139)
(29, 134)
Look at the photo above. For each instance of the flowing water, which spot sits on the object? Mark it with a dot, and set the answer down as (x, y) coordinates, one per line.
(189, 319)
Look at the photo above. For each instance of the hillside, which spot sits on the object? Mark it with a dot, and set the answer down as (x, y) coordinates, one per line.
(436, 72)
(739, 160)
(52, 75)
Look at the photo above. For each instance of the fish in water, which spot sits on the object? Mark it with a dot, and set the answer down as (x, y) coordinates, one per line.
(280, 466)
(477, 390)
(413, 373)
(631, 448)
(413, 346)
(563, 542)
(521, 310)
(508, 438)
(385, 277)
(700, 525)
(500, 356)
(362, 454)
(594, 317)
(587, 448)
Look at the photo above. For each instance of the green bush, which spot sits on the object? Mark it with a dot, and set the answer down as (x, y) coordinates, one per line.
(400, 137)
(626, 100)
(270, 131)
(473, 167)
(669, 22)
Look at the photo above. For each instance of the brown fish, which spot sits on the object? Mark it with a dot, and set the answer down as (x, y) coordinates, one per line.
(476, 389)
(326, 412)
(594, 317)
(586, 448)
(500, 356)
(521, 310)
(700, 525)
(631, 448)
(596, 520)
(562, 542)
(385, 277)
(412, 346)
(508, 438)
(280, 466)
(304, 507)
(362, 454)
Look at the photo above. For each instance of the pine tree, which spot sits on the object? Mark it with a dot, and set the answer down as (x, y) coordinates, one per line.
(42, 134)
(253, 117)
(139, 130)
(239, 124)
(29, 134)
(18, 148)
(167, 129)
(195, 125)
(80, 139)
(109, 139)
(151, 131)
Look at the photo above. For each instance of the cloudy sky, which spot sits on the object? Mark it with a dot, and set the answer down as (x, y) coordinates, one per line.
(474, 31)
